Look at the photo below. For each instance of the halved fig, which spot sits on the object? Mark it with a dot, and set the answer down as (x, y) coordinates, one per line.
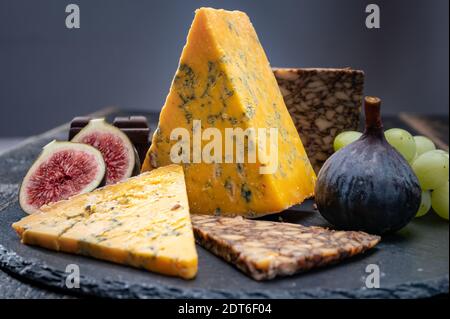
(118, 152)
(62, 170)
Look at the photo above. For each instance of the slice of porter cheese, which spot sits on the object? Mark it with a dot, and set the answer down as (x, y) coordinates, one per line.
(142, 222)
(224, 80)
(264, 249)
(322, 103)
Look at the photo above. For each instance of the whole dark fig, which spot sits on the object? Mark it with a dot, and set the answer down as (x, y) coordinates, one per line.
(368, 185)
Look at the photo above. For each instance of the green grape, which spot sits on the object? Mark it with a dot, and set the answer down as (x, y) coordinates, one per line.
(439, 200)
(431, 169)
(423, 145)
(425, 205)
(345, 138)
(442, 152)
(403, 142)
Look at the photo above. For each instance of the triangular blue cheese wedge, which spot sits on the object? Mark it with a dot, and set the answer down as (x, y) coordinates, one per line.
(224, 82)
(142, 222)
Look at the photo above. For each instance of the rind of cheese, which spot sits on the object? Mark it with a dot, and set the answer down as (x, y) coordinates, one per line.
(143, 222)
(264, 250)
(224, 80)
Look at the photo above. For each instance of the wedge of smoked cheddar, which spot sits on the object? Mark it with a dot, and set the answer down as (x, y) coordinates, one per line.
(264, 249)
(143, 222)
(224, 80)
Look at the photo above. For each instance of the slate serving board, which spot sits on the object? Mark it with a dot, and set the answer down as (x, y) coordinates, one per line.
(413, 263)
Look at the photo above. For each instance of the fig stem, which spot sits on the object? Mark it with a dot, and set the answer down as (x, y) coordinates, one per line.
(372, 106)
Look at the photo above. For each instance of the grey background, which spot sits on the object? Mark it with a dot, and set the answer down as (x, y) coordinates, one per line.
(126, 52)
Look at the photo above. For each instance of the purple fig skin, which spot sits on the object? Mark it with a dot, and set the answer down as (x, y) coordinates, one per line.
(368, 185)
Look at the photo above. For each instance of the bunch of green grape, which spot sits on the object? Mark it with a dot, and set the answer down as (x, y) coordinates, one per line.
(430, 165)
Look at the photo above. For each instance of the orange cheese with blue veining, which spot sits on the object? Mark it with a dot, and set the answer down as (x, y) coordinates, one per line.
(225, 81)
(142, 222)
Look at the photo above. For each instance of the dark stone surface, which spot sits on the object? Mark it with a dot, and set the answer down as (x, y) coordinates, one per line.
(413, 263)
(12, 288)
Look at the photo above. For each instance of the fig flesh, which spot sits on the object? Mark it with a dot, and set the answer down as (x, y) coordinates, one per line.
(368, 185)
(118, 152)
(62, 170)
